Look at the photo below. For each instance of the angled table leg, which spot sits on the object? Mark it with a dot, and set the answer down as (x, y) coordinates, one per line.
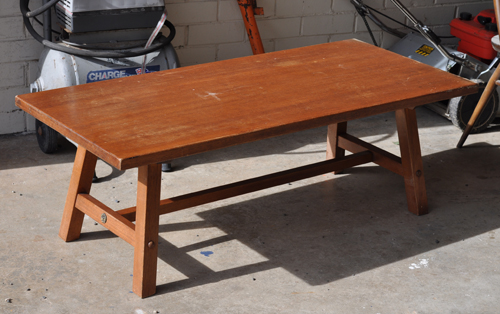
(411, 159)
(81, 181)
(332, 143)
(146, 230)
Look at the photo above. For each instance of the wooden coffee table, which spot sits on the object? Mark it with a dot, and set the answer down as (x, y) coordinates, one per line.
(142, 121)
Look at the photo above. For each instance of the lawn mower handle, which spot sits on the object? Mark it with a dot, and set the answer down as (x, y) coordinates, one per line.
(433, 38)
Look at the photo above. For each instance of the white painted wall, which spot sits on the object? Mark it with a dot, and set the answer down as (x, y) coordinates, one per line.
(212, 30)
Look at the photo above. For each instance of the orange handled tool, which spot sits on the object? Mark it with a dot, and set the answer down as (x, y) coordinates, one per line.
(248, 10)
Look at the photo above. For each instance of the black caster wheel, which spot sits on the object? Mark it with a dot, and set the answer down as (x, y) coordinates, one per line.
(166, 167)
(46, 137)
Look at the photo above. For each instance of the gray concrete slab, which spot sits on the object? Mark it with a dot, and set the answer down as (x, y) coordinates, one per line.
(330, 244)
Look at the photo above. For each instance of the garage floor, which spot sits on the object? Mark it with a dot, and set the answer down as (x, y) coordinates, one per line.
(331, 244)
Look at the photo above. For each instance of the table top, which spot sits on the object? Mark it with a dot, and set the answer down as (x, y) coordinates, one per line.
(161, 116)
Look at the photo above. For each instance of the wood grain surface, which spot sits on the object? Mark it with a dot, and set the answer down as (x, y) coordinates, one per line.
(140, 120)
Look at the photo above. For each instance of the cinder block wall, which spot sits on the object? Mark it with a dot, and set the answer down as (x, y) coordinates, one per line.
(18, 65)
(212, 30)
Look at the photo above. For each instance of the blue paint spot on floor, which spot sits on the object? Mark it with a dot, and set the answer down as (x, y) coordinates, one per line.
(207, 253)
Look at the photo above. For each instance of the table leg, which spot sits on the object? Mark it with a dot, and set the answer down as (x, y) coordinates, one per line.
(332, 143)
(81, 181)
(146, 230)
(411, 159)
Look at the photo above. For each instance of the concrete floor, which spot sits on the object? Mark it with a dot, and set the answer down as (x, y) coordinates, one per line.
(330, 244)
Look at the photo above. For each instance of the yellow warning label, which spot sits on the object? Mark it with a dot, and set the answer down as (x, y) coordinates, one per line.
(424, 50)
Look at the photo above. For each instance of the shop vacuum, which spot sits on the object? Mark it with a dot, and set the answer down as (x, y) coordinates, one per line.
(98, 40)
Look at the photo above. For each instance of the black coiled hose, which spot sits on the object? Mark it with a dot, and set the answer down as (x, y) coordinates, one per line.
(41, 9)
(115, 53)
